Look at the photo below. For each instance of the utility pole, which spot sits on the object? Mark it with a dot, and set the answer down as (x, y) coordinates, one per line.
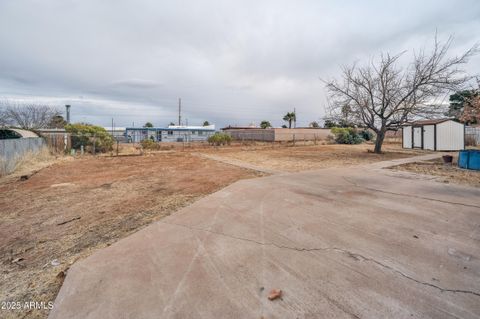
(67, 108)
(179, 111)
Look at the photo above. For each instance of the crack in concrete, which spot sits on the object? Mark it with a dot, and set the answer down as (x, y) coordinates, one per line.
(344, 251)
(407, 195)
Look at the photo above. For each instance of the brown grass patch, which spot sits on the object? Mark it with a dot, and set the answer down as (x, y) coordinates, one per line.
(445, 173)
(69, 209)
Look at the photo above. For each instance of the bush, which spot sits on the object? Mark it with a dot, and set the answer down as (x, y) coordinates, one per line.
(86, 134)
(218, 139)
(347, 135)
(366, 135)
(149, 144)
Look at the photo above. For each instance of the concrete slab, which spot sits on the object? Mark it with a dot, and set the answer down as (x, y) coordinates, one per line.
(340, 243)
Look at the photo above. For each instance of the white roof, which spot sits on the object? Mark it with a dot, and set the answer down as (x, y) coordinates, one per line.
(23, 133)
(190, 127)
(116, 128)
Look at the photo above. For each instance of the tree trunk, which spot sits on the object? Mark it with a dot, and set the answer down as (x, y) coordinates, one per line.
(379, 141)
(289, 123)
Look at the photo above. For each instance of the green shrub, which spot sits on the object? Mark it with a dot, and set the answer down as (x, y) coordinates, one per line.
(347, 135)
(218, 139)
(87, 135)
(149, 144)
(366, 135)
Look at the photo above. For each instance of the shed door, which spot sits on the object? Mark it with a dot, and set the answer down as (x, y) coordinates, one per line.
(429, 137)
(417, 137)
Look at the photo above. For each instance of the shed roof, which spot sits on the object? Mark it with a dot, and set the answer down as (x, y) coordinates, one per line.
(16, 133)
(428, 122)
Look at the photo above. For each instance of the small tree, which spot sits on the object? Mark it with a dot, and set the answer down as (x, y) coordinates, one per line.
(465, 105)
(89, 135)
(171, 124)
(471, 112)
(57, 121)
(148, 124)
(27, 115)
(265, 124)
(284, 126)
(383, 95)
(290, 117)
(314, 124)
(206, 123)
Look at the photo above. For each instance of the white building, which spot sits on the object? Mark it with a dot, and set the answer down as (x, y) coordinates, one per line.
(435, 135)
(171, 133)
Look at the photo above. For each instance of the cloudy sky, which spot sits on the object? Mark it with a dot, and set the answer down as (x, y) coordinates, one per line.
(231, 62)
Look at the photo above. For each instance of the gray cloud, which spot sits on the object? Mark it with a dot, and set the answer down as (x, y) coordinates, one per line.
(231, 62)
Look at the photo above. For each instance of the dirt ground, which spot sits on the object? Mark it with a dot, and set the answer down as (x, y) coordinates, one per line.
(301, 158)
(67, 210)
(445, 173)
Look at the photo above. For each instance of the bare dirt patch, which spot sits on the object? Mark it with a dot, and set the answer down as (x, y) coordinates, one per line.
(445, 173)
(300, 158)
(66, 211)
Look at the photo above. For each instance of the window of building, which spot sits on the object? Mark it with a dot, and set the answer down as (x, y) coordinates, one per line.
(170, 132)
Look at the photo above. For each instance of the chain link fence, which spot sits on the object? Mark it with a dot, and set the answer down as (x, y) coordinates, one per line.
(472, 136)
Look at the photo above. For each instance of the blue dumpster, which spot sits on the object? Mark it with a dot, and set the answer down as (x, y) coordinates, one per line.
(469, 159)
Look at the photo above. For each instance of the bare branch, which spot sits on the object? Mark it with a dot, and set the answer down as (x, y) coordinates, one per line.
(26, 115)
(383, 95)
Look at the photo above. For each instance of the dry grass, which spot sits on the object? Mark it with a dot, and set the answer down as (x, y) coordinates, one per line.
(301, 158)
(33, 162)
(71, 208)
(445, 173)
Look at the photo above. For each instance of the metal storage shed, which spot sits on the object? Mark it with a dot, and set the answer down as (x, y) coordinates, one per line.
(435, 135)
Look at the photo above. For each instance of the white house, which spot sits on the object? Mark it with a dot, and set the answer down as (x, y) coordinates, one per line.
(172, 133)
(435, 135)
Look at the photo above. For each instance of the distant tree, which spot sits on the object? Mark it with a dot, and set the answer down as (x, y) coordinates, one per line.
(26, 115)
(171, 124)
(290, 117)
(206, 123)
(329, 124)
(265, 124)
(148, 124)
(57, 121)
(383, 95)
(284, 126)
(314, 124)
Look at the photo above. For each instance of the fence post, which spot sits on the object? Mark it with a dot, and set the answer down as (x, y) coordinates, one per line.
(293, 139)
(94, 142)
(315, 138)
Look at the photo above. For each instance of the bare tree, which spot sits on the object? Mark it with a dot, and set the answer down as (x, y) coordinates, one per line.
(27, 115)
(384, 95)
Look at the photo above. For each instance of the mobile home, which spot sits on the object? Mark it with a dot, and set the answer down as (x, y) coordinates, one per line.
(169, 134)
